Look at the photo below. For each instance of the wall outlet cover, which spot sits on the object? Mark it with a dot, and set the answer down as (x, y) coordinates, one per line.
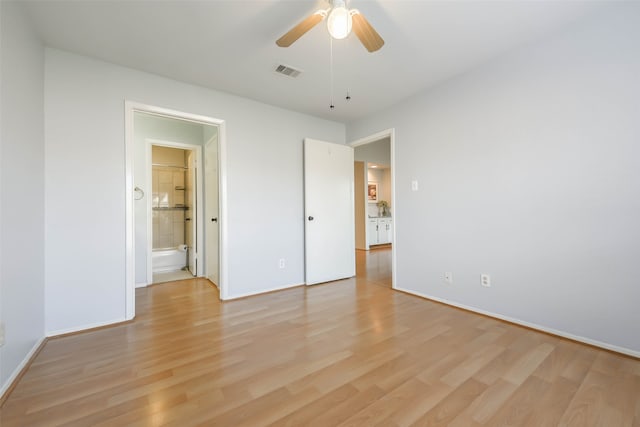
(485, 280)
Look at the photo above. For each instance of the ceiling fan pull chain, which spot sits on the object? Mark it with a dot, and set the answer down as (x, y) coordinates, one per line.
(331, 106)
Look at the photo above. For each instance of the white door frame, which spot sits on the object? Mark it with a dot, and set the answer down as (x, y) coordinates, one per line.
(199, 202)
(207, 217)
(130, 107)
(388, 133)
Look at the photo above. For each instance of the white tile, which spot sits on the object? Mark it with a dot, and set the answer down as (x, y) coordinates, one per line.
(165, 223)
(165, 177)
(165, 241)
(171, 276)
(178, 234)
(178, 198)
(178, 179)
(165, 193)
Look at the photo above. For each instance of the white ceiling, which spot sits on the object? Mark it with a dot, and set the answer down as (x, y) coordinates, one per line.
(230, 45)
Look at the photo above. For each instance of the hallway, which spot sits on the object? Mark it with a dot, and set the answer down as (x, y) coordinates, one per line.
(375, 265)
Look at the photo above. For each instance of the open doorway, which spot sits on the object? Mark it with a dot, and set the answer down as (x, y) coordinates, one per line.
(174, 211)
(375, 207)
(175, 198)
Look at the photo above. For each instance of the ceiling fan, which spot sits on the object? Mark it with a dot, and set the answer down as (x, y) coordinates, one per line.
(340, 22)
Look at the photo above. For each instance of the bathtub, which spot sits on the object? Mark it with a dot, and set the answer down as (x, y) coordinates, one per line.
(172, 259)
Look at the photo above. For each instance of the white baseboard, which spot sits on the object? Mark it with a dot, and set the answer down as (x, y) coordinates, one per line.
(617, 349)
(142, 285)
(264, 291)
(16, 372)
(52, 334)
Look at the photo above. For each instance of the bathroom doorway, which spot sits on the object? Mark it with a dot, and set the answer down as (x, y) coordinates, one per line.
(146, 126)
(171, 190)
(174, 211)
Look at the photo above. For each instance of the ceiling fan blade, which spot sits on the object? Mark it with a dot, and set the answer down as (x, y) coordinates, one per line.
(299, 30)
(368, 36)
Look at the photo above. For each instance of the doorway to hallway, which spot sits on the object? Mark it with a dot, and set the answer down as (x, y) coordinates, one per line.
(374, 205)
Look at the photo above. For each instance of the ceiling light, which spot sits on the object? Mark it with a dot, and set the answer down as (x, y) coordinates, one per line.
(339, 21)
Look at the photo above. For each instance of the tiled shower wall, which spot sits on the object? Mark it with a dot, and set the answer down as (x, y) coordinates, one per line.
(168, 225)
(168, 181)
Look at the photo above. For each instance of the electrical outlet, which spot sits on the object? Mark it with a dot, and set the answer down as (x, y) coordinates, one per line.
(448, 277)
(1, 334)
(485, 280)
(281, 263)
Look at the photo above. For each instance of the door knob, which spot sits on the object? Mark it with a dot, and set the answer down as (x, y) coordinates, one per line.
(310, 218)
(214, 219)
(187, 219)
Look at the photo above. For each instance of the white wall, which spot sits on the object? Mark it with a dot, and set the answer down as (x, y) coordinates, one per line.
(21, 191)
(160, 128)
(383, 178)
(374, 152)
(374, 176)
(528, 170)
(85, 239)
(2, 381)
(379, 153)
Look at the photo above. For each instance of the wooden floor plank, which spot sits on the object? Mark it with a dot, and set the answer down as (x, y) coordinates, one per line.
(351, 352)
(451, 406)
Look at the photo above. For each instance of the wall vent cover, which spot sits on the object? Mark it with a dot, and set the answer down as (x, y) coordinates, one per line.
(288, 71)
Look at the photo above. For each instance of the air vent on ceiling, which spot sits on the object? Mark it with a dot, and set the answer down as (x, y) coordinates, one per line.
(288, 71)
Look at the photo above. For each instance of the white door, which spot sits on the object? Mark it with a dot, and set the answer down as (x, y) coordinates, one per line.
(190, 213)
(328, 209)
(211, 210)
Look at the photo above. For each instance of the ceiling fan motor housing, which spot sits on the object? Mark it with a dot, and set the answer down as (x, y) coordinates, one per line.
(339, 21)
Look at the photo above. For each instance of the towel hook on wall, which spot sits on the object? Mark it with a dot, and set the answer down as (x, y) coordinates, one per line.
(139, 194)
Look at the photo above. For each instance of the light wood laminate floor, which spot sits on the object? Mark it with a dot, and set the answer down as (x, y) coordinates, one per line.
(348, 353)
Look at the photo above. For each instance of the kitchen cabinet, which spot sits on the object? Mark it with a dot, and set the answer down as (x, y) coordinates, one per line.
(380, 230)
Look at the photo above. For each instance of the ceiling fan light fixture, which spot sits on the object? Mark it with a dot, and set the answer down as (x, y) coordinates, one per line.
(339, 21)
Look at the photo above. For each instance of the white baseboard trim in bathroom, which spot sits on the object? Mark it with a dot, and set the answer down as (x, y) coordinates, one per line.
(265, 291)
(17, 373)
(54, 334)
(142, 285)
(589, 341)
